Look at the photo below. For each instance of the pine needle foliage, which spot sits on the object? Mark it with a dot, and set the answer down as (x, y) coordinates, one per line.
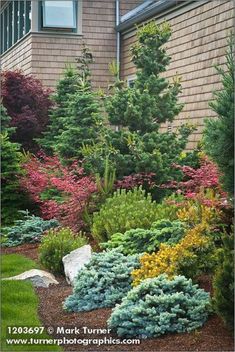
(219, 132)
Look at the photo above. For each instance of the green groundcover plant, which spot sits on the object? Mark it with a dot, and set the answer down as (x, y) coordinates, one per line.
(123, 211)
(28, 230)
(141, 240)
(158, 306)
(56, 243)
(103, 282)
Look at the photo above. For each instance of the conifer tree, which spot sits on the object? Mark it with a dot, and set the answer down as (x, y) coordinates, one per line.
(219, 132)
(11, 197)
(152, 100)
(224, 282)
(82, 123)
(66, 87)
(140, 110)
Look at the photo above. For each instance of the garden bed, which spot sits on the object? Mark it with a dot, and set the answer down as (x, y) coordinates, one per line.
(213, 336)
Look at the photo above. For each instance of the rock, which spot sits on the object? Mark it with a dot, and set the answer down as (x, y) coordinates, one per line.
(39, 278)
(75, 261)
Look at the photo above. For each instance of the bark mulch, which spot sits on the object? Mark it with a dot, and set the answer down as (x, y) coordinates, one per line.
(213, 336)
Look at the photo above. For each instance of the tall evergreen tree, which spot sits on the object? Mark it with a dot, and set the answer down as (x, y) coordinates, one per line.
(152, 100)
(140, 110)
(11, 197)
(219, 133)
(66, 87)
(82, 124)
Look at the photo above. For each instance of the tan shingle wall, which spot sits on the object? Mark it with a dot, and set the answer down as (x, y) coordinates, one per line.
(47, 54)
(19, 56)
(198, 42)
(129, 5)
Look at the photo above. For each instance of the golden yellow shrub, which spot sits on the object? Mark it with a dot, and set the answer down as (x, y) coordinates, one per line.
(180, 259)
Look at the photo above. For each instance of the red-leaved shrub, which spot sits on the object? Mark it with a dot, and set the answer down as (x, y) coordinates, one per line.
(62, 192)
(197, 183)
(134, 180)
(27, 103)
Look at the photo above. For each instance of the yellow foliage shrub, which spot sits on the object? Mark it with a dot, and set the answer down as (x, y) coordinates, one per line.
(197, 211)
(183, 258)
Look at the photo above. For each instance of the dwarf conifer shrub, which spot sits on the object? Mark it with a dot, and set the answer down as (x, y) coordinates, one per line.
(55, 245)
(159, 306)
(103, 282)
(125, 210)
(141, 240)
(28, 230)
(223, 282)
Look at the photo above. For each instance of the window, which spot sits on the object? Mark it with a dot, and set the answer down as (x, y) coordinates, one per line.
(59, 14)
(131, 81)
(15, 22)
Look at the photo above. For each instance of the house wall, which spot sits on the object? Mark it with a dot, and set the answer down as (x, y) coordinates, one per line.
(45, 54)
(198, 42)
(129, 5)
(19, 56)
(50, 53)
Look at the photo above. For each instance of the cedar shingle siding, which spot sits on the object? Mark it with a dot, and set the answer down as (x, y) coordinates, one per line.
(198, 42)
(47, 53)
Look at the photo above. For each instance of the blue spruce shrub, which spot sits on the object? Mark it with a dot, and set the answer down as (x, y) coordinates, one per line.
(141, 240)
(28, 230)
(159, 306)
(103, 282)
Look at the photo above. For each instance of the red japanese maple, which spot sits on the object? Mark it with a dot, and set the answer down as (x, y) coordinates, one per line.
(27, 103)
(140, 179)
(197, 181)
(62, 192)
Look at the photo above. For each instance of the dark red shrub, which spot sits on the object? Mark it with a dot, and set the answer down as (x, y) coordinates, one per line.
(62, 192)
(27, 103)
(134, 180)
(197, 184)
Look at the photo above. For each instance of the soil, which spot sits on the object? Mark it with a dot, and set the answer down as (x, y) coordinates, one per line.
(213, 336)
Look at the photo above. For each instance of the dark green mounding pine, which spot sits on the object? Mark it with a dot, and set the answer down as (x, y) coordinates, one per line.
(123, 211)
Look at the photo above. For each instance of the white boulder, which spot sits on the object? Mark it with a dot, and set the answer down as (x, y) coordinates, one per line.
(75, 261)
(39, 278)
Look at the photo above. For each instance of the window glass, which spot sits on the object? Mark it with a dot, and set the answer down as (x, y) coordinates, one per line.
(59, 14)
(15, 23)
